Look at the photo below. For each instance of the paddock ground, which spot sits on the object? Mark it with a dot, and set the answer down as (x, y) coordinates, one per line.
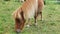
(49, 25)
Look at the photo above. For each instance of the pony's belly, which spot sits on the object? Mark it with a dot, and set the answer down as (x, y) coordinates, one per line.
(31, 14)
(31, 9)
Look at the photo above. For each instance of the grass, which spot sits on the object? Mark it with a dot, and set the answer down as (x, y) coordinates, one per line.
(49, 25)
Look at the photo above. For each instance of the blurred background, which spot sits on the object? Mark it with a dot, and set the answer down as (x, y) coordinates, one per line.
(49, 25)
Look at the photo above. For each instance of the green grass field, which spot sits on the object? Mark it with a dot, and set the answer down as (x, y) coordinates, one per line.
(49, 25)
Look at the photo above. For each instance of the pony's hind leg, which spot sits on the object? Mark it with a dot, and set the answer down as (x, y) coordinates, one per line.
(40, 15)
(40, 8)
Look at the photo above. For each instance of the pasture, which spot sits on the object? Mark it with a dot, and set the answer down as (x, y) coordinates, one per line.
(49, 25)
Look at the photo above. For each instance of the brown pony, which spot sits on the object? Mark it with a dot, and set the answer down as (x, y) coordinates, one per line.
(29, 9)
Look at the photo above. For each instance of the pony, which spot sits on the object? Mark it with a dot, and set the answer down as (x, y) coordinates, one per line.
(29, 9)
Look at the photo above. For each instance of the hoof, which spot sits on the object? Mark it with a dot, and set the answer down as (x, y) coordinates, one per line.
(35, 24)
(28, 26)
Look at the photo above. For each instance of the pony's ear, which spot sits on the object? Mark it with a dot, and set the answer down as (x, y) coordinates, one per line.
(16, 13)
(19, 13)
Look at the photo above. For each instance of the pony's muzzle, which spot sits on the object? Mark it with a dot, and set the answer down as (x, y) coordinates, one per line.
(18, 31)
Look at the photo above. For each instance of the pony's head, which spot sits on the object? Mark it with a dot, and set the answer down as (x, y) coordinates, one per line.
(19, 19)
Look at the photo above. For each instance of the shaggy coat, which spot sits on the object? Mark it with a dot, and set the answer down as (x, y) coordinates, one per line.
(29, 9)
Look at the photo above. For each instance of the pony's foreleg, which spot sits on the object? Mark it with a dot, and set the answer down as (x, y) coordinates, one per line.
(28, 23)
(35, 18)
